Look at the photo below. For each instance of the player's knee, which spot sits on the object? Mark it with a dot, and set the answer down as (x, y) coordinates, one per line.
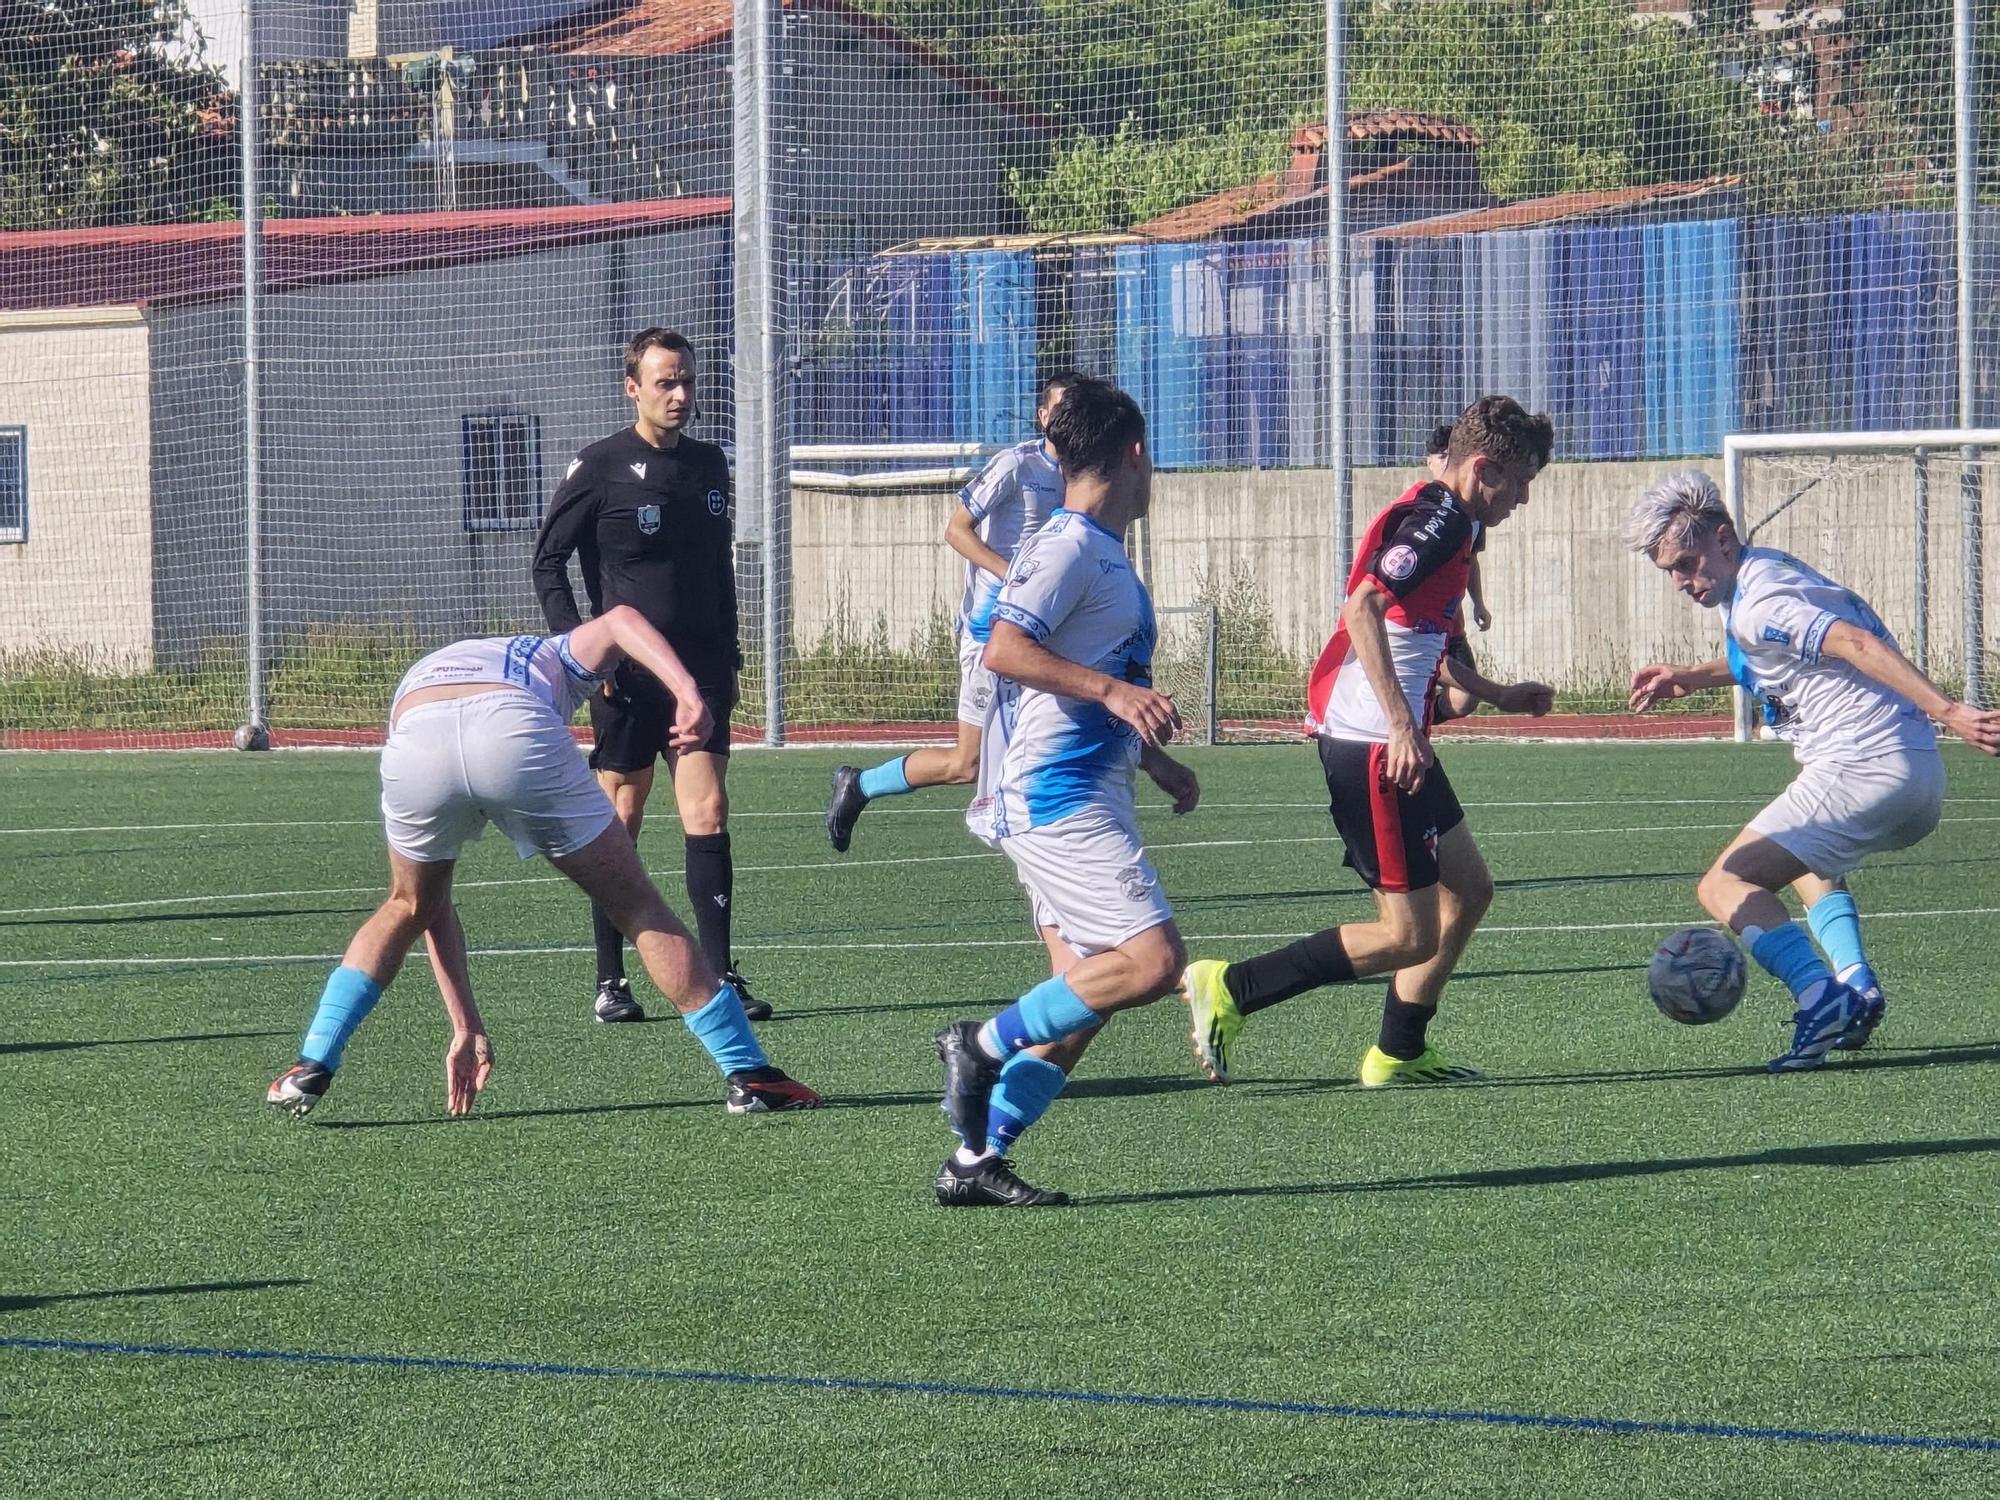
(705, 813)
(1718, 892)
(1472, 897)
(1163, 962)
(962, 769)
(1413, 933)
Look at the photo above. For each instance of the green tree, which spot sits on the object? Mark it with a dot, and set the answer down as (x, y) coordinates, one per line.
(108, 115)
(1093, 184)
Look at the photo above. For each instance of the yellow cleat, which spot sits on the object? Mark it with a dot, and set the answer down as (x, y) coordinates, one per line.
(1216, 1020)
(1379, 1070)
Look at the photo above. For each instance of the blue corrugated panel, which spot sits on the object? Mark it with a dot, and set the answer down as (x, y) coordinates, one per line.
(993, 347)
(1691, 294)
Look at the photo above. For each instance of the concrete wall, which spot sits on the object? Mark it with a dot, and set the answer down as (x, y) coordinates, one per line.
(1570, 605)
(80, 585)
(365, 384)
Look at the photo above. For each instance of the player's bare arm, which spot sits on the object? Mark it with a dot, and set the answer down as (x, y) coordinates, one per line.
(961, 534)
(622, 632)
(1871, 654)
(1534, 698)
(1014, 654)
(1364, 615)
(1660, 682)
(1475, 593)
(1171, 777)
(468, 1060)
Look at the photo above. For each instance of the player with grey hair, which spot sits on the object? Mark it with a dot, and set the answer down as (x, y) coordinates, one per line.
(1870, 777)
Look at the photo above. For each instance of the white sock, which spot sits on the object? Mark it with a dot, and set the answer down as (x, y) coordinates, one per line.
(965, 1156)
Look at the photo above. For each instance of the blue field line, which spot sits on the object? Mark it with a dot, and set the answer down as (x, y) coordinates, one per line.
(1234, 1405)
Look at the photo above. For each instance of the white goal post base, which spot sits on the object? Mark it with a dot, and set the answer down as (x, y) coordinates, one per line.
(1968, 441)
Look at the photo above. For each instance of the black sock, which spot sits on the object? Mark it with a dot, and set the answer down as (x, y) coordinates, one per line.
(1292, 970)
(1403, 1027)
(610, 945)
(711, 878)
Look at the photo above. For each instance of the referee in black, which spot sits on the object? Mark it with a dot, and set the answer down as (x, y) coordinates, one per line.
(646, 513)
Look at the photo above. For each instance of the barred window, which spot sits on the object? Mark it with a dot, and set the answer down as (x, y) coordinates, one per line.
(503, 472)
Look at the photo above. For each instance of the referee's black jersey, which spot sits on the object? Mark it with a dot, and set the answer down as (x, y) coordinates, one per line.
(650, 528)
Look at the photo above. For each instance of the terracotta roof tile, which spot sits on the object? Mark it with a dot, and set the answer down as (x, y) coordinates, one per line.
(1531, 212)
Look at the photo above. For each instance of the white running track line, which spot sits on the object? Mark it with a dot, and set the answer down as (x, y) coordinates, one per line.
(926, 812)
(244, 960)
(840, 864)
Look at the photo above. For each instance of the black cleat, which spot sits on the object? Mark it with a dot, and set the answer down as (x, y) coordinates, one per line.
(765, 1091)
(298, 1090)
(969, 1076)
(615, 1003)
(753, 1008)
(844, 807)
(992, 1183)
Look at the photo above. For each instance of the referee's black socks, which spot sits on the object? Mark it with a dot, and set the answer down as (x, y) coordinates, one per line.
(711, 881)
(610, 945)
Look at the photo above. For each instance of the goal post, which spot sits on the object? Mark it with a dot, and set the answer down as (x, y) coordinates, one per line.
(1860, 506)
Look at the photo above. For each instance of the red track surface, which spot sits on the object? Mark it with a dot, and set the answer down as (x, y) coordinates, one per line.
(1553, 727)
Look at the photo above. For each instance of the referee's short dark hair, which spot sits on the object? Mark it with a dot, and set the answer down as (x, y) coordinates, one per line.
(1095, 423)
(653, 338)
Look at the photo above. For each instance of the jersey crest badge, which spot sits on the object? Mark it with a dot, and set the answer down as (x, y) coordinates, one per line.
(639, 469)
(649, 517)
(1781, 637)
(1399, 562)
(717, 502)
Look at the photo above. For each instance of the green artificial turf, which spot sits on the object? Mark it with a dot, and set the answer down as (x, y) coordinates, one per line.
(1630, 1221)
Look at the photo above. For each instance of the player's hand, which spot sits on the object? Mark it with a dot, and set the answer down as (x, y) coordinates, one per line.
(1978, 727)
(468, 1063)
(1534, 698)
(1655, 684)
(1482, 617)
(693, 724)
(1151, 714)
(1178, 782)
(1407, 758)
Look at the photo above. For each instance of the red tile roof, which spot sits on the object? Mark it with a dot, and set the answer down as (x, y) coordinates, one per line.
(664, 28)
(1554, 210)
(1240, 207)
(191, 262)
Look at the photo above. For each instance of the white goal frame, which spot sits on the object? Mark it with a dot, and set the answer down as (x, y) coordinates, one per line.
(1738, 446)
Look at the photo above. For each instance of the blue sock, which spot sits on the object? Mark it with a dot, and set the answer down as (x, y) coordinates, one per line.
(885, 780)
(1047, 1013)
(724, 1030)
(1788, 953)
(343, 1005)
(1837, 925)
(1028, 1086)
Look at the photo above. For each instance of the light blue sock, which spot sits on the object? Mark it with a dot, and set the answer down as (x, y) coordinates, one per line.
(724, 1030)
(1837, 924)
(1028, 1086)
(1047, 1013)
(885, 780)
(343, 1005)
(1788, 953)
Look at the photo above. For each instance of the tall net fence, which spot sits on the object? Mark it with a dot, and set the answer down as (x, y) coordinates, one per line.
(1660, 223)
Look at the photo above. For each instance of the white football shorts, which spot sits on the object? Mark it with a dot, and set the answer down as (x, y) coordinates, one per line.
(975, 683)
(1837, 813)
(1088, 877)
(452, 766)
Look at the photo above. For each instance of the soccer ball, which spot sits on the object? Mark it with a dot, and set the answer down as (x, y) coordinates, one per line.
(1697, 976)
(252, 737)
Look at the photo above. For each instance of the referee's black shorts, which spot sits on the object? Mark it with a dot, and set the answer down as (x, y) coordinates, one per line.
(632, 725)
(1391, 835)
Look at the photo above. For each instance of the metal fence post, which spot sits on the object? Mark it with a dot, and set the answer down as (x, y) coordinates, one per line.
(1972, 521)
(1338, 295)
(254, 734)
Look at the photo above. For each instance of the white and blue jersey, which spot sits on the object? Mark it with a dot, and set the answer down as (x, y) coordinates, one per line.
(1045, 757)
(539, 664)
(1776, 625)
(1008, 501)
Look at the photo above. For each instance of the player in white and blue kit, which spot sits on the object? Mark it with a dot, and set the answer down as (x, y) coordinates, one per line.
(1074, 714)
(1858, 714)
(478, 734)
(999, 510)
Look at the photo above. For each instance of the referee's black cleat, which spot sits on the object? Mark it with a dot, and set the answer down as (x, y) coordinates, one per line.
(766, 1091)
(298, 1090)
(753, 1008)
(969, 1076)
(615, 1003)
(843, 808)
(992, 1182)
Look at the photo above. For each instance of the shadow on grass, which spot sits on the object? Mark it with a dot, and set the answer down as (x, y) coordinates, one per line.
(141, 919)
(1870, 1154)
(185, 1289)
(133, 1041)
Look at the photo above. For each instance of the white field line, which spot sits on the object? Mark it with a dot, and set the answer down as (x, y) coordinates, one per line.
(248, 960)
(838, 864)
(956, 811)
